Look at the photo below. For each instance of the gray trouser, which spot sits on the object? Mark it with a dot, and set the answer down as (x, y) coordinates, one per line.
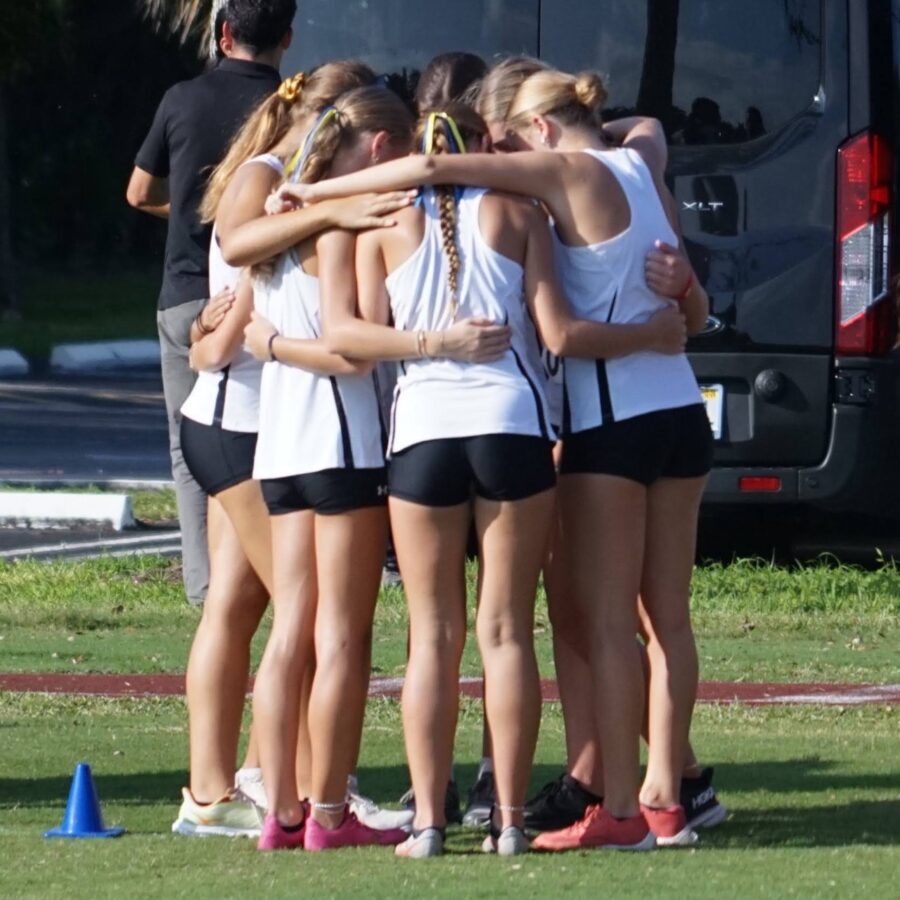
(174, 326)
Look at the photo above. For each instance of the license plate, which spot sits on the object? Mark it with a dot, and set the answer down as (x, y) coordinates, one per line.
(714, 398)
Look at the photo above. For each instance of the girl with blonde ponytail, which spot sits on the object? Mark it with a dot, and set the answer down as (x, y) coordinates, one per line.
(637, 443)
(218, 437)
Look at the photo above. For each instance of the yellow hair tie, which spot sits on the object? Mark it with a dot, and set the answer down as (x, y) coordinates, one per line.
(291, 88)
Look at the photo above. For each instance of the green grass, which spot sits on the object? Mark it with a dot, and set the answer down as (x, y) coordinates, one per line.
(754, 621)
(85, 306)
(813, 795)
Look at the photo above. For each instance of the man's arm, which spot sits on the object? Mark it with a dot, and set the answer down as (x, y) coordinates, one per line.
(148, 193)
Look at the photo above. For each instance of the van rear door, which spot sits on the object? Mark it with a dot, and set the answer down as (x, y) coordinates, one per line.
(753, 98)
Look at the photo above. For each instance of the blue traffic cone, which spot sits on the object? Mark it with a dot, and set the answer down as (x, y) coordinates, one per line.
(83, 818)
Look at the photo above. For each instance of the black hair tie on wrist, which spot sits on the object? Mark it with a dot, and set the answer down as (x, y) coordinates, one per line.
(272, 337)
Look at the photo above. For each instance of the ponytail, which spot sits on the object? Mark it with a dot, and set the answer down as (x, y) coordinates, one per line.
(267, 125)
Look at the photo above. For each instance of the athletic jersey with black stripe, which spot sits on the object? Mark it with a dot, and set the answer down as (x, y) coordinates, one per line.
(606, 282)
(229, 397)
(309, 422)
(441, 398)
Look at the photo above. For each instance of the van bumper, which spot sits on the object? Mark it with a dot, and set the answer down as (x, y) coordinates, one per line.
(860, 472)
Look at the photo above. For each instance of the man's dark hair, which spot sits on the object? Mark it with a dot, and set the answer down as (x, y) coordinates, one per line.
(260, 25)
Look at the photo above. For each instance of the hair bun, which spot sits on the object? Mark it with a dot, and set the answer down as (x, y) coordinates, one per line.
(590, 90)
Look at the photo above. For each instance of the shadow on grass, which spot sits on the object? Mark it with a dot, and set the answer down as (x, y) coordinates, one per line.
(808, 773)
(868, 822)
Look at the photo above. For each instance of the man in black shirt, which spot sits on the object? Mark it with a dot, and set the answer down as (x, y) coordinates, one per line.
(190, 134)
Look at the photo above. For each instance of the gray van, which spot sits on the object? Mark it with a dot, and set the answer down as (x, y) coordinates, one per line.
(781, 116)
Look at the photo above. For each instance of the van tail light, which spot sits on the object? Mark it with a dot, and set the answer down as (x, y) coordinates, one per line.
(866, 323)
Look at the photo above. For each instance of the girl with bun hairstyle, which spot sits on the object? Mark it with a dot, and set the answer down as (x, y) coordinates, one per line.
(637, 442)
(219, 425)
(564, 800)
(321, 463)
(455, 427)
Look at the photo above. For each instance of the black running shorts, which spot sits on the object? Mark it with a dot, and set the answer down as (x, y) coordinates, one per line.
(218, 459)
(448, 471)
(329, 492)
(670, 443)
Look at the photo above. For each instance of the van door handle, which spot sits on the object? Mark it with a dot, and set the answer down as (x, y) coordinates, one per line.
(712, 326)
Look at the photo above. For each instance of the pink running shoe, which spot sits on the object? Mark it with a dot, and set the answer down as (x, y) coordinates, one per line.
(670, 826)
(275, 836)
(350, 833)
(598, 829)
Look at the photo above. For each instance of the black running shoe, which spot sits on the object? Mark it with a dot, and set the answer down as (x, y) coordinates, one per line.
(481, 801)
(558, 805)
(451, 803)
(701, 805)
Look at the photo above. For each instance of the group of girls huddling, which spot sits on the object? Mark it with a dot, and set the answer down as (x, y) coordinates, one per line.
(518, 264)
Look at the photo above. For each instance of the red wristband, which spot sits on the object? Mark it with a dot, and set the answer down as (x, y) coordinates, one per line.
(687, 290)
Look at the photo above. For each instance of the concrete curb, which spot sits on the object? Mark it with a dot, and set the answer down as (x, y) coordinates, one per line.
(118, 484)
(13, 364)
(105, 356)
(36, 510)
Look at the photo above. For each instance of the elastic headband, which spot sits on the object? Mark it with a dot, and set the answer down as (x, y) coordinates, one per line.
(457, 144)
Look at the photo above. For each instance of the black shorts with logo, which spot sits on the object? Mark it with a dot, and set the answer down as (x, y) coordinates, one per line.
(670, 443)
(448, 471)
(218, 459)
(329, 492)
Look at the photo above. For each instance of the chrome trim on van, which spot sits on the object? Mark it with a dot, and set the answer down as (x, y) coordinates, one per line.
(713, 325)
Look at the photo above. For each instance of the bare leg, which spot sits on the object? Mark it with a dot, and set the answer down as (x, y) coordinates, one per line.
(347, 595)
(220, 660)
(276, 698)
(431, 550)
(672, 510)
(512, 538)
(573, 670)
(247, 511)
(603, 528)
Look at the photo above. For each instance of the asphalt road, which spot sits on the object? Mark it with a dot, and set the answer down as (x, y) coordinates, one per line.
(112, 428)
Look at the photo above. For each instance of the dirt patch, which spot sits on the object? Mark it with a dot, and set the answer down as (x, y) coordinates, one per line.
(750, 694)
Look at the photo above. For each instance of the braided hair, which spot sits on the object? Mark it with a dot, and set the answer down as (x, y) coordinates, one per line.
(450, 129)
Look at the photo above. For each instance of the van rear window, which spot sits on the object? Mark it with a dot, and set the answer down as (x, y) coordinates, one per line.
(391, 35)
(714, 72)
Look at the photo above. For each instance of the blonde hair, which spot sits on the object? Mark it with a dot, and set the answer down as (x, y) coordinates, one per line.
(574, 100)
(362, 110)
(440, 131)
(296, 98)
(499, 87)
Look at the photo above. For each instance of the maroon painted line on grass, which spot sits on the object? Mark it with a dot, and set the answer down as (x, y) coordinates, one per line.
(746, 693)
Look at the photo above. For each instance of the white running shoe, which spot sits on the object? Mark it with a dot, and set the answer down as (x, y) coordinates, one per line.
(370, 813)
(422, 844)
(511, 842)
(230, 816)
(250, 783)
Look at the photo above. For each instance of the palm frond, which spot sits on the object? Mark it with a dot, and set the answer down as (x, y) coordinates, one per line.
(186, 19)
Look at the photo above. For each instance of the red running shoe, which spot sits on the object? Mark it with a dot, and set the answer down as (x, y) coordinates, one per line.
(598, 829)
(350, 833)
(275, 836)
(670, 826)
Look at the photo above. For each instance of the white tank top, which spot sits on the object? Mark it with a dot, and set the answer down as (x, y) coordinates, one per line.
(445, 399)
(606, 282)
(229, 398)
(309, 422)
